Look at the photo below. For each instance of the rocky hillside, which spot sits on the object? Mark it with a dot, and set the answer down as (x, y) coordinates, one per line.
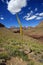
(35, 32)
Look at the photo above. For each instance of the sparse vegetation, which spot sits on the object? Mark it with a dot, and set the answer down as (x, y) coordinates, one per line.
(15, 46)
(4, 55)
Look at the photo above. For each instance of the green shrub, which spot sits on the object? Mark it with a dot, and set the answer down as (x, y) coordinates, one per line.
(4, 56)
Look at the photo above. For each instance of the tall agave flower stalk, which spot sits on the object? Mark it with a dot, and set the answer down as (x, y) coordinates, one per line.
(21, 31)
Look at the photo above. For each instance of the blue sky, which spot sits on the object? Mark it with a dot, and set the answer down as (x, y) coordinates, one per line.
(30, 15)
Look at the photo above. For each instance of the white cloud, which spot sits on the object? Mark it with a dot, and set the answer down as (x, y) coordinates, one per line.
(2, 18)
(31, 11)
(38, 18)
(15, 6)
(24, 17)
(41, 14)
(36, 9)
(37, 14)
(28, 15)
(30, 18)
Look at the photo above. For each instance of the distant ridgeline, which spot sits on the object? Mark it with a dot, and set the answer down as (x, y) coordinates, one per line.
(1, 25)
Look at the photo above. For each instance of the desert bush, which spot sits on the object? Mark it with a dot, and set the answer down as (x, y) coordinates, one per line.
(31, 63)
(14, 51)
(1, 40)
(21, 54)
(4, 56)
